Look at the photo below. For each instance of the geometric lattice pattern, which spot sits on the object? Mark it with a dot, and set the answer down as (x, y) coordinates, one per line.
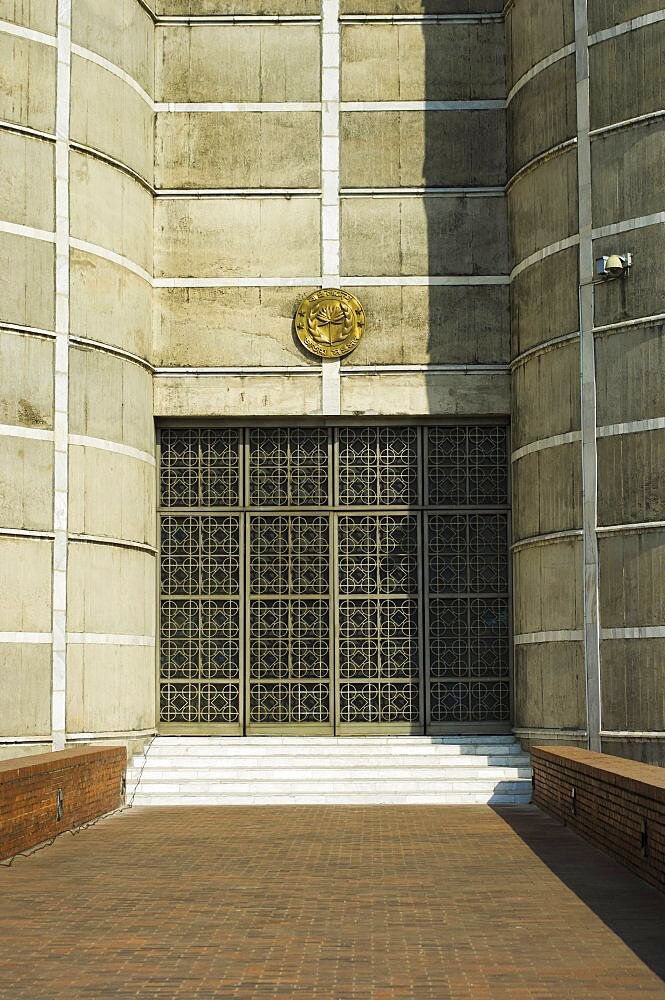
(357, 573)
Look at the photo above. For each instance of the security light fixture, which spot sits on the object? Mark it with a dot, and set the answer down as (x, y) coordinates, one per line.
(614, 266)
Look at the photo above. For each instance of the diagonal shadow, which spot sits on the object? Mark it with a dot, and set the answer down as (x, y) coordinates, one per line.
(631, 908)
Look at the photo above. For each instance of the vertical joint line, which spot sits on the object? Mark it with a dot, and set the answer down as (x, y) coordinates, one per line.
(330, 198)
(588, 383)
(61, 378)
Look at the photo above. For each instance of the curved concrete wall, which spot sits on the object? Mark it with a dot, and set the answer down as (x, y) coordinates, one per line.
(607, 128)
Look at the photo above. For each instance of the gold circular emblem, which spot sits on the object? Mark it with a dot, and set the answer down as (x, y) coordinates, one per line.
(330, 323)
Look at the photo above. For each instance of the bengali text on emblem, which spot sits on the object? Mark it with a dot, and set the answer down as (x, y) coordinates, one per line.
(330, 323)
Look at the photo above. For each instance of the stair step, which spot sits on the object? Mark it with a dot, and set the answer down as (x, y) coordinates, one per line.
(189, 763)
(362, 770)
(344, 799)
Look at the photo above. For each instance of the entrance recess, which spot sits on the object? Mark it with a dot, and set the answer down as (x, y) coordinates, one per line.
(334, 579)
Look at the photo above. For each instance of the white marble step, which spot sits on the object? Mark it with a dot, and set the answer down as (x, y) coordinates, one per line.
(364, 741)
(235, 760)
(308, 750)
(347, 798)
(362, 770)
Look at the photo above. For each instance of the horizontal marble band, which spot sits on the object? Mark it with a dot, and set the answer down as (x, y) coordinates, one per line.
(628, 225)
(233, 107)
(111, 734)
(166, 20)
(633, 632)
(539, 67)
(487, 105)
(629, 529)
(634, 24)
(559, 635)
(547, 345)
(34, 133)
(631, 427)
(527, 733)
(21, 31)
(113, 447)
(624, 324)
(114, 258)
(25, 533)
(539, 159)
(111, 67)
(20, 431)
(470, 18)
(633, 734)
(350, 281)
(111, 161)
(28, 232)
(108, 639)
(117, 543)
(555, 441)
(27, 638)
(494, 191)
(542, 254)
(435, 369)
(119, 352)
(255, 192)
(238, 370)
(551, 538)
(645, 119)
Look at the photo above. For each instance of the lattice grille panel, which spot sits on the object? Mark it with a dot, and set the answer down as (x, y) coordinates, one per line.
(467, 465)
(200, 467)
(378, 466)
(288, 467)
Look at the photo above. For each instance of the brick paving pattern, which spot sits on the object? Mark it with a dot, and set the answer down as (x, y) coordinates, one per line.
(328, 902)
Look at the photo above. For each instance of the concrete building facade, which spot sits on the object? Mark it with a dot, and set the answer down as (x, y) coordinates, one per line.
(176, 176)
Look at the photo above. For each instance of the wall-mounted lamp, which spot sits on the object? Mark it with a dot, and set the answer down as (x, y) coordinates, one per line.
(614, 266)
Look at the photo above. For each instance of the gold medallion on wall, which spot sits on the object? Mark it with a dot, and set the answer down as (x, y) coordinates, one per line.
(330, 323)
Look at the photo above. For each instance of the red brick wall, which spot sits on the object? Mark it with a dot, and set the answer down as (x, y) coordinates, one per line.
(89, 779)
(616, 804)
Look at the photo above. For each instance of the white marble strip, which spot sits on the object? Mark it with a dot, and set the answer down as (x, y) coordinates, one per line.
(469, 369)
(196, 20)
(26, 638)
(111, 161)
(239, 370)
(108, 639)
(111, 734)
(547, 345)
(8, 28)
(629, 529)
(240, 282)
(489, 105)
(622, 29)
(633, 734)
(542, 732)
(496, 191)
(112, 256)
(118, 352)
(626, 323)
(25, 533)
(233, 107)
(116, 543)
(628, 225)
(26, 331)
(330, 185)
(374, 281)
(570, 437)
(538, 67)
(28, 232)
(627, 122)
(549, 539)
(33, 133)
(636, 632)
(35, 433)
(111, 67)
(196, 193)
(471, 18)
(113, 447)
(61, 377)
(541, 158)
(377, 281)
(560, 635)
(535, 258)
(631, 427)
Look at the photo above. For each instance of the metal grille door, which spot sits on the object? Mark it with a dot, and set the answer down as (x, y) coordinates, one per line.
(349, 579)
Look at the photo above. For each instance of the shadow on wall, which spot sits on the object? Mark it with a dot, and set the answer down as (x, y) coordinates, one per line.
(633, 910)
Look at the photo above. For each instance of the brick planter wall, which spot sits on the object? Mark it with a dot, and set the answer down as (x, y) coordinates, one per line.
(90, 783)
(616, 804)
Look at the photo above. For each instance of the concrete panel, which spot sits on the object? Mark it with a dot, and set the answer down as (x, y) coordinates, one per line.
(217, 150)
(414, 148)
(542, 114)
(632, 569)
(534, 30)
(546, 395)
(111, 117)
(262, 237)
(543, 205)
(109, 208)
(40, 15)
(237, 7)
(641, 294)
(238, 62)
(25, 691)
(27, 294)
(111, 495)
(628, 166)
(110, 398)
(421, 6)
(547, 586)
(617, 96)
(543, 301)
(217, 327)
(442, 325)
(26, 484)
(633, 684)
(424, 394)
(630, 369)
(646, 751)
(121, 32)
(416, 62)
(237, 396)
(26, 372)
(27, 82)
(605, 13)
(550, 686)
(630, 478)
(547, 491)
(414, 236)
(111, 590)
(26, 181)
(110, 304)
(25, 583)
(110, 688)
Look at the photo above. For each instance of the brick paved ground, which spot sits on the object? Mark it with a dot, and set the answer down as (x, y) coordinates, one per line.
(320, 902)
